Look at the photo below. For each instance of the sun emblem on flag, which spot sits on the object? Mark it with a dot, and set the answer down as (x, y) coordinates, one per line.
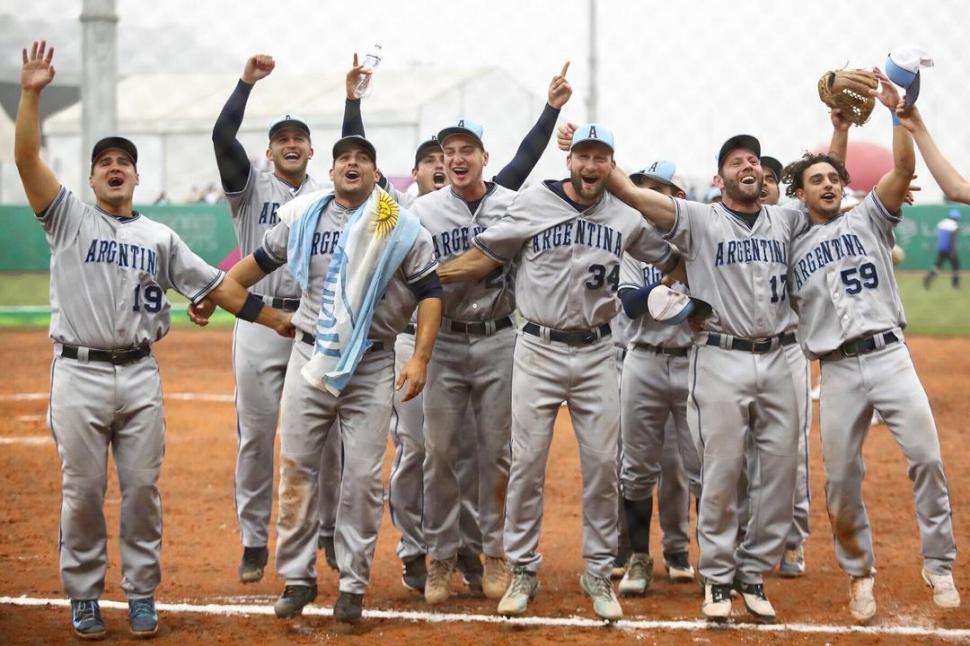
(385, 214)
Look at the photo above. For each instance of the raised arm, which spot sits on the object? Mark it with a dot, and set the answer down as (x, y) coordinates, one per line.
(655, 207)
(514, 174)
(892, 188)
(230, 155)
(40, 183)
(839, 146)
(955, 187)
(353, 122)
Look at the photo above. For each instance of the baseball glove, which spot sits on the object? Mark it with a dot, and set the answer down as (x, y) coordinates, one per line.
(848, 90)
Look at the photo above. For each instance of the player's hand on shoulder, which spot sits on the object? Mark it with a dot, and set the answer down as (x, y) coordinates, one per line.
(258, 67)
(200, 313)
(38, 68)
(354, 75)
(559, 88)
(414, 375)
(564, 135)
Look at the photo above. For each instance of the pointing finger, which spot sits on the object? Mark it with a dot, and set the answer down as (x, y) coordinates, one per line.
(565, 68)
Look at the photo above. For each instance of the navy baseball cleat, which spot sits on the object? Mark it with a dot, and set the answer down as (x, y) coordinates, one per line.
(86, 619)
(142, 617)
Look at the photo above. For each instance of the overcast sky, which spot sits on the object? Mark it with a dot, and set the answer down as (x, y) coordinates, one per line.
(675, 79)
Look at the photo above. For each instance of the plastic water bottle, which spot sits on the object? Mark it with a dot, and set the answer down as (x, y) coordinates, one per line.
(371, 61)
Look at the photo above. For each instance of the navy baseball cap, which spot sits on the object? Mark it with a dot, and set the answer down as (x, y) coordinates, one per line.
(354, 141)
(429, 143)
(663, 171)
(593, 132)
(772, 164)
(748, 142)
(463, 127)
(288, 121)
(115, 143)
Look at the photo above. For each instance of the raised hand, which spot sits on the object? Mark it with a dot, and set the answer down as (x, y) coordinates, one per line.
(564, 135)
(839, 122)
(886, 92)
(559, 88)
(258, 67)
(38, 69)
(910, 118)
(354, 76)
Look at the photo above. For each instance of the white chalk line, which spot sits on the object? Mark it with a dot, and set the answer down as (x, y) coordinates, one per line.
(201, 397)
(29, 440)
(571, 622)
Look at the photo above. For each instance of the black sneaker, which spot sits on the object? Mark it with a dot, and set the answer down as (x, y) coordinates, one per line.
(470, 566)
(349, 607)
(252, 564)
(325, 543)
(415, 573)
(86, 619)
(678, 567)
(294, 598)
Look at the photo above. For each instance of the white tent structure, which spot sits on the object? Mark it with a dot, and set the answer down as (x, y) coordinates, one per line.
(170, 119)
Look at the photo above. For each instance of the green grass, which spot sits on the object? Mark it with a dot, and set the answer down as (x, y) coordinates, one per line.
(941, 311)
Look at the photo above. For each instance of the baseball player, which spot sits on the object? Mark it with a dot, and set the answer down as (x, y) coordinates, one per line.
(363, 407)
(567, 238)
(653, 396)
(946, 249)
(110, 269)
(260, 358)
(472, 363)
(842, 283)
(740, 379)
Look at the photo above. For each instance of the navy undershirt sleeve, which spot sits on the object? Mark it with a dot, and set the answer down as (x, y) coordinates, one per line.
(353, 122)
(514, 174)
(635, 300)
(427, 287)
(230, 154)
(265, 262)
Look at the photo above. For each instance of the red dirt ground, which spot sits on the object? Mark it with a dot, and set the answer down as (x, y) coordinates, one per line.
(201, 548)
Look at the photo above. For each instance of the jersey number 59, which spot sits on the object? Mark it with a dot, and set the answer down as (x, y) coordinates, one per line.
(855, 279)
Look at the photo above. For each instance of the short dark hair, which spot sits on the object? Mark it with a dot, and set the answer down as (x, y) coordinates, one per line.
(792, 175)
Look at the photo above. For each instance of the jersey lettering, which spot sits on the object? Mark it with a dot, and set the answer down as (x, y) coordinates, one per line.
(324, 243)
(268, 215)
(123, 254)
(579, 232)
(750, 250)
(824, 253)
(455, 241)
(651, 275)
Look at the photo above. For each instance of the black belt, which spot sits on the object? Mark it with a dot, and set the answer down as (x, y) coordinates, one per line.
(788, 338)
(659, 349)
(757, 347)
(570, 337)
(375, 346)
(115, 357)
(285, 304)
(861, 345)
(477, 328)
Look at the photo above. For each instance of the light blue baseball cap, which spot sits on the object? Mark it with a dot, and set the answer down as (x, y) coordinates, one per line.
(593, 132)
(663, 171)
(463, 127)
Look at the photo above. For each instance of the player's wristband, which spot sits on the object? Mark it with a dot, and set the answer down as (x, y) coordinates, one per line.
(251, 308)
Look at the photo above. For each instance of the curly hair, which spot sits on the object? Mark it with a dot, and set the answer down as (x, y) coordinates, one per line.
(793, 172)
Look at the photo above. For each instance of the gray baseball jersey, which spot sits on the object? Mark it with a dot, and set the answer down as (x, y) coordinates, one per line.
(581, 248)
(842, 282)
(395, 308)
(254, 212)
(568, 271)
(259, 359)
(108, 281)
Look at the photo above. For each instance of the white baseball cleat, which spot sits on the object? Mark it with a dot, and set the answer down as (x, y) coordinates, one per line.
(717, 601)
(945, 593)
(638, 576)
(862, 603)
(756, 602)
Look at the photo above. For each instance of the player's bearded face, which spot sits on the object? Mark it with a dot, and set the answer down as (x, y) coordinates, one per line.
(742, 177)
(822, 190)
(290, 152)
(353, 175)
(430, 172)
(589, 167)
(114, 178)
(464, 161)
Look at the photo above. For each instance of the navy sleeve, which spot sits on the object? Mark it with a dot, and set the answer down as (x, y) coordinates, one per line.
(265, 262)
(427, 287)
(513, 176)
(635, 300)
(230, 154)
(353, 122)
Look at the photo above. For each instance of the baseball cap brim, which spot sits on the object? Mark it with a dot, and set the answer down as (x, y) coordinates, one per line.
(747, 142)
(354, 141)
(458, 130)
(672, 182)
(773, 165)
(284, 124)
(115, 143)
(423, 147)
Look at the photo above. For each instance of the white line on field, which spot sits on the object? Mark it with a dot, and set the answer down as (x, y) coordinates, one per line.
(199, 397)
(575, 622)
(31, 440)
(30, 418)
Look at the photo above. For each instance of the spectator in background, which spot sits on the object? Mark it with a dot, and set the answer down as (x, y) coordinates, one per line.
(161, 200)
(712, 195)
(946, 249)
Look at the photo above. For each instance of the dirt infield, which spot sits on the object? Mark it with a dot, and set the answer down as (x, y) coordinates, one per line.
(201, 545)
